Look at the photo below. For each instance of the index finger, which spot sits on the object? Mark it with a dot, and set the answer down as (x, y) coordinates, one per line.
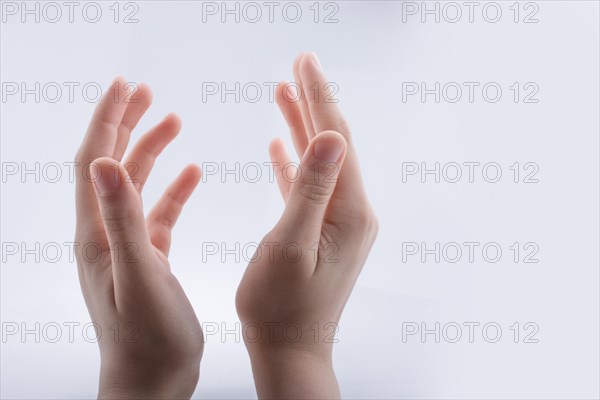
(324, 111)
(99, 141)
(327, 116)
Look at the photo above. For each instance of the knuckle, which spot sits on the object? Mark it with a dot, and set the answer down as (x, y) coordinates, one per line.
(374, 226)
(315, 192)
(118, 219)
(164, 221)
(367, 222)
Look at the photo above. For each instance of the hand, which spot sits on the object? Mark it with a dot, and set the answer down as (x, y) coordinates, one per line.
(150, 339)
(290, 300)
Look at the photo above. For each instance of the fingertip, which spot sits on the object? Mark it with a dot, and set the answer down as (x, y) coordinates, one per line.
(144, 92)
(173, 116)
(173, 122)
(184, 185)
(329, 146)
(123, 87)
(106, 166)
(194, 172)
(281, 85)
(103, 162)
(309, 64)
(275, 144)
(280, 92)
(277, 149)
(299, 58)
(120, 79)
(302, 61)
(332, 136)
(123, 92)
(287, 93)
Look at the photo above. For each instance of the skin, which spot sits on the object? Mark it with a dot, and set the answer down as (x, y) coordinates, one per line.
(151, 342)
(156, 350)
(327, 206)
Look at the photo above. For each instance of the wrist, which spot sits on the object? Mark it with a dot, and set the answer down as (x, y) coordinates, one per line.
(286, 372)
(148, 382)
(307, 340)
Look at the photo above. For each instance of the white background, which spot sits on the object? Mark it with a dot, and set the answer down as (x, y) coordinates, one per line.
(368, 53)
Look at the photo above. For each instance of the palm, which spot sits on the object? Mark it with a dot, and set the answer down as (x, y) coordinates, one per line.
(128, 287)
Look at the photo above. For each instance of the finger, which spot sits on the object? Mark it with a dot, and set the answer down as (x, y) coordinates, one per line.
(324, 111)
(281, 162)
(164, 214)
(123, 217)
(309, 196)
(101, 137)
(137, 104)
(326, 115)
(99, 141)
(304, 110)
(141, 159)
(288, 100)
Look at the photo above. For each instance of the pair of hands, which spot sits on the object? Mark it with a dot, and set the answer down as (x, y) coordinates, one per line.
(127, 282)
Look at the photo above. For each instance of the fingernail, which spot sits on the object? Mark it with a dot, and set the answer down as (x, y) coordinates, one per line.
(328, 150)
(106, 179)
(316, 59)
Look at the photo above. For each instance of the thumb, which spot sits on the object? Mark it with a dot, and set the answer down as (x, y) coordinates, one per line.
(121, 209)
(318, 174)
